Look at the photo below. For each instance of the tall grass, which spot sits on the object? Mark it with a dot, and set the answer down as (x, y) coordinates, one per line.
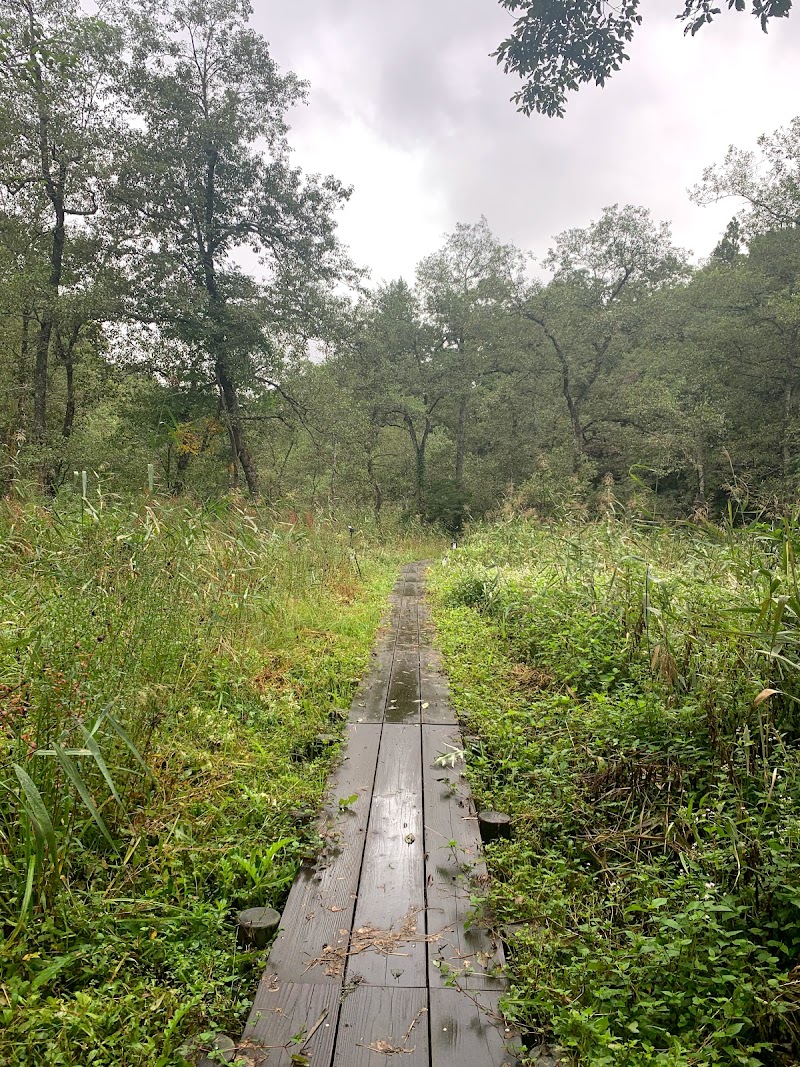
(636, 695)
(166, 674)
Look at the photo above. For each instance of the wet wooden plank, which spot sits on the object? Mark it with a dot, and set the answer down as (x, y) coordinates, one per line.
(403, 702)
(375, 1020)
(322, 899)
(467, 1033)
(414, 576)
(369, 703)
(451, 870)
(435, 689)
(408, 625)
(362, 909)
(416, 570)
(434, 692)
(282, 1012)
(408, 642)
(385, 638)
(391, 895)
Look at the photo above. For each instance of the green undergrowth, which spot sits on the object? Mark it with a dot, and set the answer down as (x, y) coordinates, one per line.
(630, 698)
(170, 684)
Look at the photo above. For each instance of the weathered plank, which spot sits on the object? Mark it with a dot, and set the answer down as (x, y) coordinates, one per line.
(283, 1012)
(389, 927)
(408, 641)
(386, 637)
(435, 689)
(408, 625)
(354, 965)
(467, 1032)
(403, 702)
(434, 693)
(369, 703)
(377, 1023)
(453, 861)
(322, 898)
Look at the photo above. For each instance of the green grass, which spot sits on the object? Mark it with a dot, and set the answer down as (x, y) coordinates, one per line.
(612, 680)
(166, 674)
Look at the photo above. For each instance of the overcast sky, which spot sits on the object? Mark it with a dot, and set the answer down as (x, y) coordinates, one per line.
(407, 106)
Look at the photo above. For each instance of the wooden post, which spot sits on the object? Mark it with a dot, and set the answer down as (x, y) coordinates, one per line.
(255, 927)
(494, 826)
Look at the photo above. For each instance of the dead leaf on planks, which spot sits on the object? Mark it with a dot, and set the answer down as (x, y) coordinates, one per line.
(368, 938)
(387, 1048)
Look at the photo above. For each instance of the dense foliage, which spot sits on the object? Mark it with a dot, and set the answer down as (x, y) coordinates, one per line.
(173, 296)
(632, 699)
(170, 686)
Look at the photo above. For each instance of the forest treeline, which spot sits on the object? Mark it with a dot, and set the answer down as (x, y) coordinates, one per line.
(174, 296)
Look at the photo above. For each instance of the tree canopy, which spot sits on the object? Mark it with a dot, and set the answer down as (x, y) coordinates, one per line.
(174, 299)
(557, 46)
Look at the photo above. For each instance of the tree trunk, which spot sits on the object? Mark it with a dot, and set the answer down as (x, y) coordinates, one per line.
(241, 454)
(65, 354)
(788, 397)
(16, 427)
(375, 488)
(574, 417)
(54, 181)
(240, 451)
(332, 481)
(419, 468)
(47, 321)
(566, 385)
(227, 387)
(512, 459)
(23, 381)
(181, 467)
(419, 444)
(40, 378)
(700, 471)
(69, 409)
(461, 440)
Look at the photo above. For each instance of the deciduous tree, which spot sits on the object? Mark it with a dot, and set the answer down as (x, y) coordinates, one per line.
(209, 176)
(601, 276)
(57, 122)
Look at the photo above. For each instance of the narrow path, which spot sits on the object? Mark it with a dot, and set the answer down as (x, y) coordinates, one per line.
(375, 959)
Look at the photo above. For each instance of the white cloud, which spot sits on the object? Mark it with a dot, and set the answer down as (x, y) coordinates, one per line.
(407, 105)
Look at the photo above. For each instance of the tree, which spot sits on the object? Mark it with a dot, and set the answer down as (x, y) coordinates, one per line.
(20, 277)
(57, 121)
(745, 320)
(555, 46)
(767, 181)
(730, 245)
(466, 293)
(601, 276)
(412, 391)
(394, 372)
(208, 177)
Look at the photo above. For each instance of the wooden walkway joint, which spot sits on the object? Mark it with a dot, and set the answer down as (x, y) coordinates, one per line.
(376, 957)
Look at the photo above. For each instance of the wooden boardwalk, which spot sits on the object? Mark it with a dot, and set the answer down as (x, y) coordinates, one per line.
(375, 957)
